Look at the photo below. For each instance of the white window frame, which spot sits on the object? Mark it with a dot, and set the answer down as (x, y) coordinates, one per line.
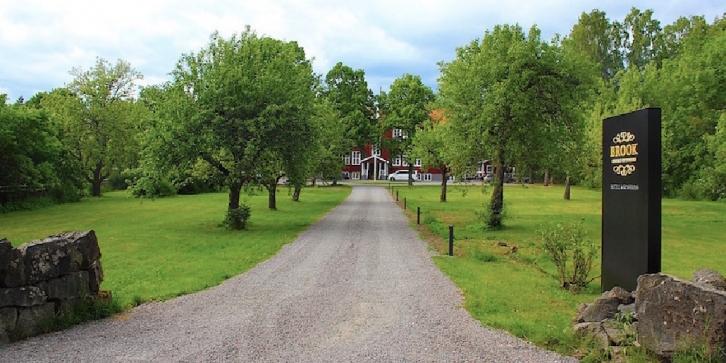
(418, 162)
(376, 151)
(355, 157)
(404, 160)
(346, 159)
(397, 161)
(355, 175)
(427, 177)
(489, 169)
(397, 133)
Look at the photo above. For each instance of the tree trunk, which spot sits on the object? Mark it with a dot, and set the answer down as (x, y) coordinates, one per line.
(444, 180)
(97, 180)
(496, 204)
(296, 193)
(410, 174)
(271, 195)
(335, 181)
(567, 188)
(313, 181)
(546, 178)
(232, 220)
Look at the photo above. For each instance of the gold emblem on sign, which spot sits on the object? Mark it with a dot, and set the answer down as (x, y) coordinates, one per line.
(624, 170)
(623, 153)
(622, 137)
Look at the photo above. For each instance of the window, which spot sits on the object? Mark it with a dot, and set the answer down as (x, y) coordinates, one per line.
(346, 159)
(489, 169)
(418, 162)
(355, 158)
(404, 161)
(376, 151)
(427, 177)
(397, 161)
(397, 133)
(355, 175)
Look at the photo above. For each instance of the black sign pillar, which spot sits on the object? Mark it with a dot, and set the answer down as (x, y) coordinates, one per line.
(631, 194)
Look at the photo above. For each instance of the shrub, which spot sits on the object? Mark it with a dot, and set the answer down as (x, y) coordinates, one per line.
(571, 252)
(483, 256)
(237, 218)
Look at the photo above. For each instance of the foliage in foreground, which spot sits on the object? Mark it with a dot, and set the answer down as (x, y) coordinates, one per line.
(571, 252)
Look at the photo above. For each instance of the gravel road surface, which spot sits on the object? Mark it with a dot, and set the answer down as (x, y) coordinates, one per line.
(357, 286)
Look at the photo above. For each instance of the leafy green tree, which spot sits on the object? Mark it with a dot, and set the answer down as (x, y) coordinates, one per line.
(330, 143)
(599, 40)
(510, 93)
(347, 91)
(97, 116)
(643, 37)
(233, 104)
(33, 158)
(433, 145)
(406, 108)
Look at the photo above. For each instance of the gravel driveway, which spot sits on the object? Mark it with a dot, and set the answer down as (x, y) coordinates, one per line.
(357, 286)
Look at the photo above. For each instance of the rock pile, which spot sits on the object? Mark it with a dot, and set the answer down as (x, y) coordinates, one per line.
(43, 279)
(663, 315)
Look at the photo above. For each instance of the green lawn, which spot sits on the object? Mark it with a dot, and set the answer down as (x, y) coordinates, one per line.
(511, 292)
(157, 249)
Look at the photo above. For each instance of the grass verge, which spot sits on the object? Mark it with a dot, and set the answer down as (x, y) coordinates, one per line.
(504, 274)
(158, 249)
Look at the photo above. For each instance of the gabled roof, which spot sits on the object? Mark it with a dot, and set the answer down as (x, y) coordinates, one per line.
(374, 156)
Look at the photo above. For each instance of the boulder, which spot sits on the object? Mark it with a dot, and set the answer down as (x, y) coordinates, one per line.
(95, 277)
(21, 296)
(33, 321)
(69, 286)
(59, 255)
(602, 308)
(672, 312)
(623, 296)
(11, 265)
(8, 318)
(711, 278)
(627, 309)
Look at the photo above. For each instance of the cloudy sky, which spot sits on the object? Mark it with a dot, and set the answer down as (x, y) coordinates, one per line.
(40, 41)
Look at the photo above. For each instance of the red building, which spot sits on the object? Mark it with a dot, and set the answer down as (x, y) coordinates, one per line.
(375, 163)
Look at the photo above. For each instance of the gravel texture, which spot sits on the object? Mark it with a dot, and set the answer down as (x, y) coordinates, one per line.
(357, 286)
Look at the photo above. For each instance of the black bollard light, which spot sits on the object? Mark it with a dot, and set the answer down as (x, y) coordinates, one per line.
(418, 215)
(451, 239)
(397, 195)
(404, 203)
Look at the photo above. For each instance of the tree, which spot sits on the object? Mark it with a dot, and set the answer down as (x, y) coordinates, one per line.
(235, 103)
(508, 94)
(33, 159)
(96, 115)
(433, 145)
(406, 109)
(330, 142)
(642, 39)
(599, 40)
(347, 91)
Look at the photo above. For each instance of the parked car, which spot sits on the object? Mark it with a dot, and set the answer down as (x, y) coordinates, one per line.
(399, 175)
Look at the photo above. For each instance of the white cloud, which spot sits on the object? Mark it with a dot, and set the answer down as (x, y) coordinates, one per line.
(41, 40)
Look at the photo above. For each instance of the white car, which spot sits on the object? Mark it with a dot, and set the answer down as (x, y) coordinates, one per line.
(399, 175)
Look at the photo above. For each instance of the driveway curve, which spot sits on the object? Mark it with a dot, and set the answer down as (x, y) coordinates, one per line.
(357, 286)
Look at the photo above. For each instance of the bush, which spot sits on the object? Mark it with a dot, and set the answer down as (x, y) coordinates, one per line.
(237, 218)
(147, 186)
(571, 252)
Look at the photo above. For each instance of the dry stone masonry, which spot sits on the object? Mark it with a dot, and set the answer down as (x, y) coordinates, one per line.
(41, 280)
(664, 314)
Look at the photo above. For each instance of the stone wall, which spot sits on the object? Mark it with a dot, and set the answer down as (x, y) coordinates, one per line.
(41, 280)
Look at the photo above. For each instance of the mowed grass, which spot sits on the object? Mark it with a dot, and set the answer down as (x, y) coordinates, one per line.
(509, 290)
(158, 249)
